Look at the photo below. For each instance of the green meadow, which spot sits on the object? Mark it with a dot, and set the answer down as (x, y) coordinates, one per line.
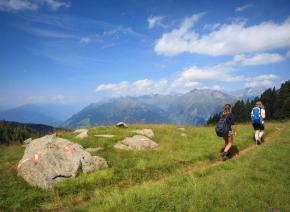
(184, 174)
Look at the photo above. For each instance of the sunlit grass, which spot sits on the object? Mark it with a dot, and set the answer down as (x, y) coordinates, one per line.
(129, 172)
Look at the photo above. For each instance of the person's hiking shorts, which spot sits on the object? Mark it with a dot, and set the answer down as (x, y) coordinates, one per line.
(258, 126)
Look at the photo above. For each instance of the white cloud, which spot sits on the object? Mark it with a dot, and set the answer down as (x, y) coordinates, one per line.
(155, 21)
(262, 80)
(85, 40)
(228, 39)
(113, 87)
(56, 4)
(197, 77)
(15, 5)
(258, 59)
(136, 88)
(142, 85)
(242, 8)
(32, 5)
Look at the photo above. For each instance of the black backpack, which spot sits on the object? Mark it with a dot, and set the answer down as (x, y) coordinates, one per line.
(222, 129)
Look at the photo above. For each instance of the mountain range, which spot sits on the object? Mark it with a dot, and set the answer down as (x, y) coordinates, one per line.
(194, 107)
(48, 114)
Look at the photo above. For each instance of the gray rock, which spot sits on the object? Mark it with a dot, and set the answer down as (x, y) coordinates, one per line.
(82, 133)
(49, 159)
(147, 132)
(122, 125)
(27, 141)
(105, 136)
(137, 142)
(94, 149)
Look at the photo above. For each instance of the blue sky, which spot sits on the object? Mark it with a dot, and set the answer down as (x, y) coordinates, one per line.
(78, 52)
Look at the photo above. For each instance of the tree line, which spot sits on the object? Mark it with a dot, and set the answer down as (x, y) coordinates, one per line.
(276, 102)
(12, 132)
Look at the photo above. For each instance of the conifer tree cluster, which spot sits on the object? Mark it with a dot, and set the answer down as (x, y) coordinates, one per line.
(11, 132)
(276, 102)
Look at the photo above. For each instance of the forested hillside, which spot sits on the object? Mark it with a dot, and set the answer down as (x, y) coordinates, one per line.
(17, 132)
(276, 102)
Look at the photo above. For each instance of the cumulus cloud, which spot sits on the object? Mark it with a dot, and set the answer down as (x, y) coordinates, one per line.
(227, 39)
(135, 88)
(242, 8)
(155, 21)
(223, 72)
(258, 59)
(197, 77)
(32, 5)
(262, 80)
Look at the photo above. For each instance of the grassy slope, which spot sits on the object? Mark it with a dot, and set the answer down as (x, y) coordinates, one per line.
(151, 180)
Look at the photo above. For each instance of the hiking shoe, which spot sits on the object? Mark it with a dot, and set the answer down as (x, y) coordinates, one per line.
(224, 154)
(225, 157)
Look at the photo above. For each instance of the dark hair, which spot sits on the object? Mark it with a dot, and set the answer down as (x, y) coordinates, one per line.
(227, 109)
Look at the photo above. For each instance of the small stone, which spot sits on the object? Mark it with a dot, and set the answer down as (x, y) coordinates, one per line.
(122, 125)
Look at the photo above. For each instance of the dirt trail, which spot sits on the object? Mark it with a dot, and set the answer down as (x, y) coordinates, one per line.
(196, 167)
(202, 166)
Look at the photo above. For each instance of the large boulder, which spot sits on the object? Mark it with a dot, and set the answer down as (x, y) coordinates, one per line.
(147, 132)
(49, 159)
(137, 142)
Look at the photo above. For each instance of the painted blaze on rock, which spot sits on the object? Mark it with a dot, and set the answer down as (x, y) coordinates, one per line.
(49, 159)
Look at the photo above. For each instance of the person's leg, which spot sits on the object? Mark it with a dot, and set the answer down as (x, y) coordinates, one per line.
(229, 144)
(226, 142)
(257, 132)
(261, 133)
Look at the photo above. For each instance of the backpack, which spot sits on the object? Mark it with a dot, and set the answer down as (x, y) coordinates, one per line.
(222, 129)
(256, 115)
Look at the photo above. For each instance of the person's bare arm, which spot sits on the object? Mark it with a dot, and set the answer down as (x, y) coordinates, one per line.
(234, 130)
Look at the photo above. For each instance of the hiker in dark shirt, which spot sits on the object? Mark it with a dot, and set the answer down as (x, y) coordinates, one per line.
(229, 138)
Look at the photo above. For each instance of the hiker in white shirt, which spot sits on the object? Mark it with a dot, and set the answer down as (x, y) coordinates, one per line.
(259, 126)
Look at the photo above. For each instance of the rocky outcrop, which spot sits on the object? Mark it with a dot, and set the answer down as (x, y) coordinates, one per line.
(49, 159)
(137, 142)
(147, 132)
